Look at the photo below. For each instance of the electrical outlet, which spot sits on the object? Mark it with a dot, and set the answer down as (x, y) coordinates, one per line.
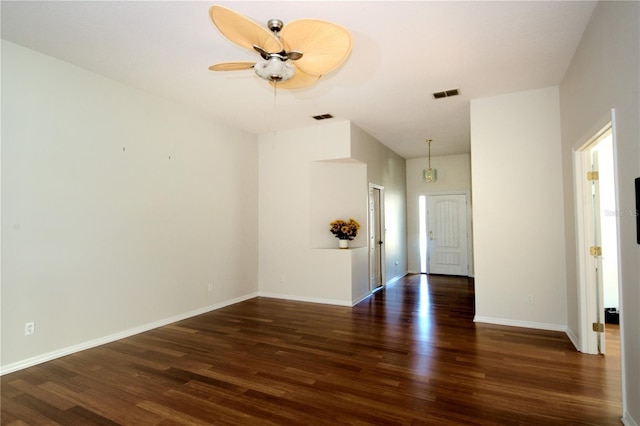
(530, 299)
(210, 287)
(29, 328)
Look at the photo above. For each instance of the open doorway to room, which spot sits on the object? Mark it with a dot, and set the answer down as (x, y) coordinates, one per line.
(598, 241)
(598, 235)
(376, 235)
(609, 230)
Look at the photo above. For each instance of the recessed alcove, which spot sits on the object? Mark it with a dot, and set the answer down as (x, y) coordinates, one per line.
(338, 190)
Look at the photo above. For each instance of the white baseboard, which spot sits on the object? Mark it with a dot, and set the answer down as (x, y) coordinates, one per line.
(470, 275)
(39, 359)
(524, 324)
(574, 339)
(306, 299)
(360, 299)
(396, 278)
(627, 420)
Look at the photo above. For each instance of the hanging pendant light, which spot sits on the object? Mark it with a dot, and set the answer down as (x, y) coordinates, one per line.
(429, 174)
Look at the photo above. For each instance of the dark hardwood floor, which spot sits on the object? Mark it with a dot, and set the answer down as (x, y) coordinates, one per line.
(410, 354)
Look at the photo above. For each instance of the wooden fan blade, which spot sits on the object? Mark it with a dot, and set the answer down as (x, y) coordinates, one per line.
(325, 46)
(232, 66)
(243, 31)
(299, 80)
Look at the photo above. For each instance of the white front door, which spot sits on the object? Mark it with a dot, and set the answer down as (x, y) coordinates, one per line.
(447, 234)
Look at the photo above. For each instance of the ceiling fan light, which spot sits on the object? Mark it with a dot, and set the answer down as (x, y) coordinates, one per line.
(274, 69)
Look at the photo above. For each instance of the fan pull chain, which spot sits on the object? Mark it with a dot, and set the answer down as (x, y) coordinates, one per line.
(275, 91)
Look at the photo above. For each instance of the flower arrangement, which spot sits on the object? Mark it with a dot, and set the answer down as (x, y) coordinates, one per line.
(344, 230)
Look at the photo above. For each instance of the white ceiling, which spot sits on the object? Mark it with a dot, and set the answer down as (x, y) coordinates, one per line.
(402, 53)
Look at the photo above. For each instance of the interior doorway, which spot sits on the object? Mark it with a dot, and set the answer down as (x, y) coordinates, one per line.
(376, 237)
(598, 239)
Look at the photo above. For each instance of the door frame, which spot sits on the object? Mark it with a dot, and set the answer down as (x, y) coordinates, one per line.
(587, 306)
(590, 341)
(371, 222)
(467, 195)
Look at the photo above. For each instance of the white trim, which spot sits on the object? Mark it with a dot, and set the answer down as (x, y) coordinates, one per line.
(587, 340)
(306, 299)
(574, 339)
(627, 420)
(397, 277)
(524, 324)
(365, 296)
(30, 362)
(417, 273)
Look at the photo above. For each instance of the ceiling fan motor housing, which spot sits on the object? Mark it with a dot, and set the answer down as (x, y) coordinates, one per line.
(275, 25)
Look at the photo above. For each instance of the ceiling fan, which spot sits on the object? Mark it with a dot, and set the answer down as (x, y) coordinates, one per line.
(293, 56)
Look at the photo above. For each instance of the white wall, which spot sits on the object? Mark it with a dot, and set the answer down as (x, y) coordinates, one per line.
(291, 266)
(336, 193)
(118, 209)
(603, 74)
(454, 176)
(309, 177)
(518, 209)
(389, 170)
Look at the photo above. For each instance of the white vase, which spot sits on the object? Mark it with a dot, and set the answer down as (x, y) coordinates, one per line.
(344, 244)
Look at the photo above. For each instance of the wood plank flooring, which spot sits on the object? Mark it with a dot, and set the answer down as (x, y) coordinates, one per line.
(410, 354)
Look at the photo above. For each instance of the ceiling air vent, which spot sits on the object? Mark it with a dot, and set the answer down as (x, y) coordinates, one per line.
(323, 116)
(446, 93)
